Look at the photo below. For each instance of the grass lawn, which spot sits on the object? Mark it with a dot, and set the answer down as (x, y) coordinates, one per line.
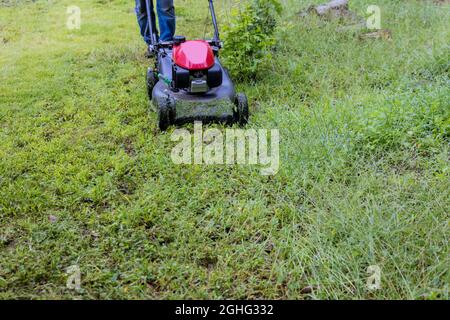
(86, 177)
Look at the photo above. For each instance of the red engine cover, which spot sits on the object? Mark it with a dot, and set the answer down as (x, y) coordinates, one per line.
(193, 55)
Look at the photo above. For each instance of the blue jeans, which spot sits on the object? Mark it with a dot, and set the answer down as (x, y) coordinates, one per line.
(166, 16)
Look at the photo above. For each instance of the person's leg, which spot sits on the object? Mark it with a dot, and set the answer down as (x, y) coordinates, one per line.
(166, 15)
(141, 13)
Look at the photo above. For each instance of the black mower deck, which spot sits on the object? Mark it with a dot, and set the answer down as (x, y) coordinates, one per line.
(217, 105)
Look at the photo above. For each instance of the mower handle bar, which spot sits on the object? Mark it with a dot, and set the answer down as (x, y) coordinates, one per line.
(149, 22)
(154, 43)
(214, 21)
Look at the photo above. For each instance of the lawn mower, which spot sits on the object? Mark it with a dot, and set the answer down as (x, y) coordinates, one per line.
(188, 83)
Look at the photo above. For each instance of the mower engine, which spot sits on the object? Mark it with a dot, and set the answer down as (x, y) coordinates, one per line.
(194, 68)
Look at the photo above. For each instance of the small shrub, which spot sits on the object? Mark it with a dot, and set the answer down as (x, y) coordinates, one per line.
(249, 37)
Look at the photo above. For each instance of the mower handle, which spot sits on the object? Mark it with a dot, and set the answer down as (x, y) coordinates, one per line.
(150, 24)
(214, 21)
(154, 43)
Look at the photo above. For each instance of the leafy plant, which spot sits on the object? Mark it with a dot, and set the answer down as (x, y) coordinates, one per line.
(249, 37)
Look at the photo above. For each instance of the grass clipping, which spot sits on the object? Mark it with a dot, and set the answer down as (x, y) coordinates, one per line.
(214, 108)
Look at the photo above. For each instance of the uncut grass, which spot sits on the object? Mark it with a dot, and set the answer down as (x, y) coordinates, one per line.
(355, 187)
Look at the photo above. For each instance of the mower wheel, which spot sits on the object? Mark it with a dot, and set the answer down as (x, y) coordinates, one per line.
(151, 82)
(241, 114)
(166, 114)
